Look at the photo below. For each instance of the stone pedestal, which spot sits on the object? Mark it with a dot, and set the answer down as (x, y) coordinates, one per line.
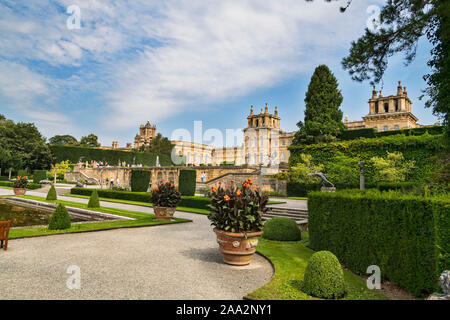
(328, 189)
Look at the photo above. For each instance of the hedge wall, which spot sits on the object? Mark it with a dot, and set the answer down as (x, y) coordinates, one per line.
(406, 236)
(372, 133)
(140, 180)
(39, 175)
(187, 182)
(31, 186)
(421, 149)
(73, 154)
(297, 189)
(189, 202)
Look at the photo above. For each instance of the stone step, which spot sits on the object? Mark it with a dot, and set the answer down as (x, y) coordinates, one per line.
(289, 214)
(286, 216)
(289, 210)
(297, 221)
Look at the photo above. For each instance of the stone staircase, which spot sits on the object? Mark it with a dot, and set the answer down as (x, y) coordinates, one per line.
(300, 216)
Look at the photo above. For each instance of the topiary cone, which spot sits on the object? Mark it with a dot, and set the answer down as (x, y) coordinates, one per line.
(51, 195)
(93, 200)
(324, 277)
(60, 219)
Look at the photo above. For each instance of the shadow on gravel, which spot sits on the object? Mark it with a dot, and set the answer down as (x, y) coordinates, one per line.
(205, 255)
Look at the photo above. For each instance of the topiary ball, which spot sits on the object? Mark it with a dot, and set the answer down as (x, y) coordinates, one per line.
(51, 195)
(282, 229)
(93, 200)
(60, 219)
(324, 277)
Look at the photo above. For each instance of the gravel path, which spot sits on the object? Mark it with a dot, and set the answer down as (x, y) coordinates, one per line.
(165, 262)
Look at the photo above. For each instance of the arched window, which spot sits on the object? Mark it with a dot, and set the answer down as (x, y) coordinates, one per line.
(386, 107)
(283, 158)
(396, 127)
(396, 105)
(385, 128)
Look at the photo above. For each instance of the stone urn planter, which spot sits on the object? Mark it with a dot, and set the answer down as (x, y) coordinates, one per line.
(164, 213)
(19, 191)
(236, 214)
(237, 248)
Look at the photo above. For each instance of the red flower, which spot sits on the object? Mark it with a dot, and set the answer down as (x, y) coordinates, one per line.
(226, 198)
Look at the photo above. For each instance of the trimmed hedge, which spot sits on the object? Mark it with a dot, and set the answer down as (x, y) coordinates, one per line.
(282, 229)
(93, 200)
(73, 154)
(23, 173)
(31, 186)
(298, 189)
(187, 182)
(51, 195)
(39, 175)
(140, 180)
(324, 277)
(372, 133)
(420, 149)
(60, 219)
(406, 236)
(186, 201)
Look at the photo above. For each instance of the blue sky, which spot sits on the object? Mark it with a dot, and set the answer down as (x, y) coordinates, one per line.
(174, 62)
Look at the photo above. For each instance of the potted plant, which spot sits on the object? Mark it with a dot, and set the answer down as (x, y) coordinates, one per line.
(20, 186)
(236, 213)
(165, 199)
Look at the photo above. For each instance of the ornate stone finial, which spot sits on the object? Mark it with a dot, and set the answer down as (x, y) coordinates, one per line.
(251, 110)
(276, 111)
(374, 92)
(266, 111)
(399, 89)
(381, 94)
(346, 119)
(261, 111)
(404, 91)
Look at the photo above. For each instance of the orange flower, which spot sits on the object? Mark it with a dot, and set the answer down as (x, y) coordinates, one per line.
(238, 193)
(220, 183)
(232, 181)
(171, 185)
(246, 185)
(226, 198)
(156, 188)
(213, 189)
(258, 187)
(18, 177)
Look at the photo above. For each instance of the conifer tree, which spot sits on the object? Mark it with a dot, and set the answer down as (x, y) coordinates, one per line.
(323, 118)
(51, 195)
(93, 200)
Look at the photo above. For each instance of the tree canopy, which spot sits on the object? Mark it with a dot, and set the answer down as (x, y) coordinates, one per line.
(159, 145)
(63, 140)
(323, 118)
(89, 141)
(22, 146)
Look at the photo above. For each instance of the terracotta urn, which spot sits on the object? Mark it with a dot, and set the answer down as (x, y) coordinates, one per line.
(19, 191)
(164, 213)
(237, 248)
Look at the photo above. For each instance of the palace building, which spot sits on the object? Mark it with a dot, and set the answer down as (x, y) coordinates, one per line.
(387, 113)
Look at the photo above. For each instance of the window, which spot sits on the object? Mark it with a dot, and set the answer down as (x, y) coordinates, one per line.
(396, 127)
(283, 158)
(283, 142)
(376, 107)
(386, 107)
(396, 105)
(385, 128)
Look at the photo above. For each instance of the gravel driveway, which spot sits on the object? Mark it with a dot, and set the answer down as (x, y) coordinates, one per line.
(179, 261)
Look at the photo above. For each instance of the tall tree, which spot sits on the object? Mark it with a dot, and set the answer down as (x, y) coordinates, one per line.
(402, 23)
(90, 141)
(22, 146)
(159, 145)
(62, 140)
(323, 118)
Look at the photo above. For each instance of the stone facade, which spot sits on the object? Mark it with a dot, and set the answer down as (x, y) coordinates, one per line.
(387, 113)
(264, 144)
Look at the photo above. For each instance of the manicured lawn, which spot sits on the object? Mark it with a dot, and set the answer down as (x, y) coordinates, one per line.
(290, 260)
(147, 204)
(142, 219)
(298, 198)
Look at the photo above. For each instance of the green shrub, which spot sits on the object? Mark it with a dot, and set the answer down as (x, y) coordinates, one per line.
(420, 149)
(166, 195)
(93, 200)
(3, 178)
(39, 175)
(282, 229)
(51, 195)
(358, 133)
(140, 180)
(372, 133)
(60, 219)
(406, 236)
(324, 277)
(187, 182)
(10, 184)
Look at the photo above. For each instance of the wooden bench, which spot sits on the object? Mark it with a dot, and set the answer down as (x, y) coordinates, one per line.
(4, 233)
